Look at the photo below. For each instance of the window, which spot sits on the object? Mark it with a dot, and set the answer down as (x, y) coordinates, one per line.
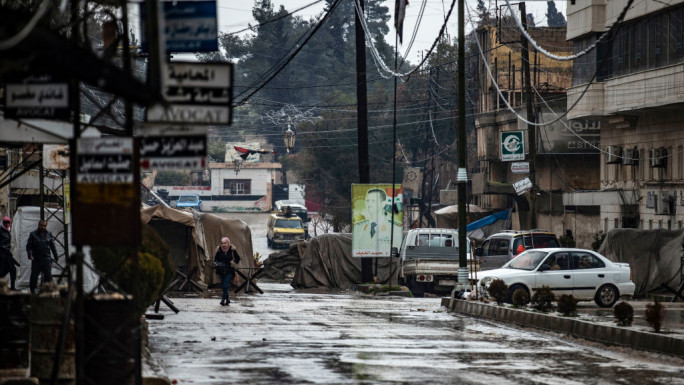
(586, 261)
(237, 186)
(676, 46)
(288, 224)
(654, 41)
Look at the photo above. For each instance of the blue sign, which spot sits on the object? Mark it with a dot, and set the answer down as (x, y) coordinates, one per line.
(189, 26)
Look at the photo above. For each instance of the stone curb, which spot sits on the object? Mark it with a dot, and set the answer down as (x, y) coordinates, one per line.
(611, 335)
(152, 372)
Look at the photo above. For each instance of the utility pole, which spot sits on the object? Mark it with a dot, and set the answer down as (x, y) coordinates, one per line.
(462, 176)
(531, 129)
(362, 122)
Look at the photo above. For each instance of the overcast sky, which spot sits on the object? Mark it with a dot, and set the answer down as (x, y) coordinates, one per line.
(234, 15)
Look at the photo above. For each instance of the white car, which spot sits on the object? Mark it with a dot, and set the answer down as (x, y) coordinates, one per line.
(584, 274)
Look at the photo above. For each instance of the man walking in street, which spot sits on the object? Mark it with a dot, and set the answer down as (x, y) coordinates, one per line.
(38, 248)
(7, 262)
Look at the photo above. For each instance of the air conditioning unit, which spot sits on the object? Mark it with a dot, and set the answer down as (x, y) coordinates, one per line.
(665, 203)
(613, 154)
(658, 157)
(630, 156)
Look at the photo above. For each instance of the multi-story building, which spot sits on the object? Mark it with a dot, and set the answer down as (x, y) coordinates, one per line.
(561, 160)
(633, 84)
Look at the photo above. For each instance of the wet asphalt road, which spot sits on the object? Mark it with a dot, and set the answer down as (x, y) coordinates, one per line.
(292, 337)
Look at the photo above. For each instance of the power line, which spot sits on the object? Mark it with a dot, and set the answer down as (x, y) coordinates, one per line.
(251, 28)
(579, 54)
(289, 59)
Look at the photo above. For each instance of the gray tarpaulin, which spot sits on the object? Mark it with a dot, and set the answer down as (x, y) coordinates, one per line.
(194, 237)
(326, 261)
(653, 255)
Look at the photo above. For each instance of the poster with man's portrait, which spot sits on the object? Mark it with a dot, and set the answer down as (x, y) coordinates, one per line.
(377, 219)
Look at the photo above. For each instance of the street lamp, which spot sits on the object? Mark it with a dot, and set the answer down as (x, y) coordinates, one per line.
(289, 138)
(237, 163)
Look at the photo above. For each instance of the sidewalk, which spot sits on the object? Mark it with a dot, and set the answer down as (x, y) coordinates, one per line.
(593, 323)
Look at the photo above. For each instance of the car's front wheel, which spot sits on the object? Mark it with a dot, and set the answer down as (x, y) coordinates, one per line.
(606, 296)
(513, 289)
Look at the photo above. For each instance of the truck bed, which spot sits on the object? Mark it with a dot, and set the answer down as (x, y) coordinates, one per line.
(433, 266)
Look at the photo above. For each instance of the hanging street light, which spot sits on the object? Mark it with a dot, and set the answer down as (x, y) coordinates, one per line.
(289, 138)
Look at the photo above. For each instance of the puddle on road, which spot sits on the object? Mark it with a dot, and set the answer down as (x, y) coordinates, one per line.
(348, 339)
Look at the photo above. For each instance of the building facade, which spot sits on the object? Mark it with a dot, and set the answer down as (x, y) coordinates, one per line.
(565, 156)
(633, 84)
(248, 189)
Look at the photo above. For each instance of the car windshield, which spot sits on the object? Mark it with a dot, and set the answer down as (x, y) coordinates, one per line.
(186, 198)
(527, 260)
(288, 224)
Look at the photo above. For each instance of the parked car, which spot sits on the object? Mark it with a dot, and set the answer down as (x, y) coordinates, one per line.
(190, 201)
(501, 247)
(584, 274)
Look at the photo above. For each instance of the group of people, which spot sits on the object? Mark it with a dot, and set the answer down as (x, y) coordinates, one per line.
(38, 248)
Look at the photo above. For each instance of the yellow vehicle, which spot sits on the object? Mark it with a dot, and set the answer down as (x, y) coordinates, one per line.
(284, 230)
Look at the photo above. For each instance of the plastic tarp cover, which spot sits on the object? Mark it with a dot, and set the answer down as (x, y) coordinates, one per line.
(26, 220)
(207, 231)
(495, 223)
(653, 255)
(447, 217)
(326, 261)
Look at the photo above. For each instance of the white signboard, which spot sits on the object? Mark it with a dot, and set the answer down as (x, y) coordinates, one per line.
(522, 185)
(105, 160)
(37, 97)
(198, 93)
(520, 167)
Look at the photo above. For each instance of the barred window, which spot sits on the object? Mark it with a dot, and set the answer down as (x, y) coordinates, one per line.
(237, 186)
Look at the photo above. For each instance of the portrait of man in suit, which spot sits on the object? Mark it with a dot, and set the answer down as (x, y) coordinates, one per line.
(372, 229)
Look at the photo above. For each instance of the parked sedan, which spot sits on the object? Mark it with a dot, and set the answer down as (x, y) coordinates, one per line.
(189, 201)
(585, 274)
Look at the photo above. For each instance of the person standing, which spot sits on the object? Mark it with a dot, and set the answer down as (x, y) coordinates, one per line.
(6, 258)
(226, 259)
(38, 248)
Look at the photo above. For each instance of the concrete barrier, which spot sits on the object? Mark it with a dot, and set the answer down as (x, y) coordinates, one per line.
(608, 334)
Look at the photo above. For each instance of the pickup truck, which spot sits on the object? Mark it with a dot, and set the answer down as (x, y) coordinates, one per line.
(429, 261)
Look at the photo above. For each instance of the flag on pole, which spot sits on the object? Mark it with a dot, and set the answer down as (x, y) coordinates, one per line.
(245, 152)
(399, 13)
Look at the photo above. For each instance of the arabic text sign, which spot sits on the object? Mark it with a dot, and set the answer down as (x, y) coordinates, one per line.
(520, 167)
(198, 93)
(37, 100)
(105, 160)
(522, 185)
(106, 194)
(173, 152)
(190, 26)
